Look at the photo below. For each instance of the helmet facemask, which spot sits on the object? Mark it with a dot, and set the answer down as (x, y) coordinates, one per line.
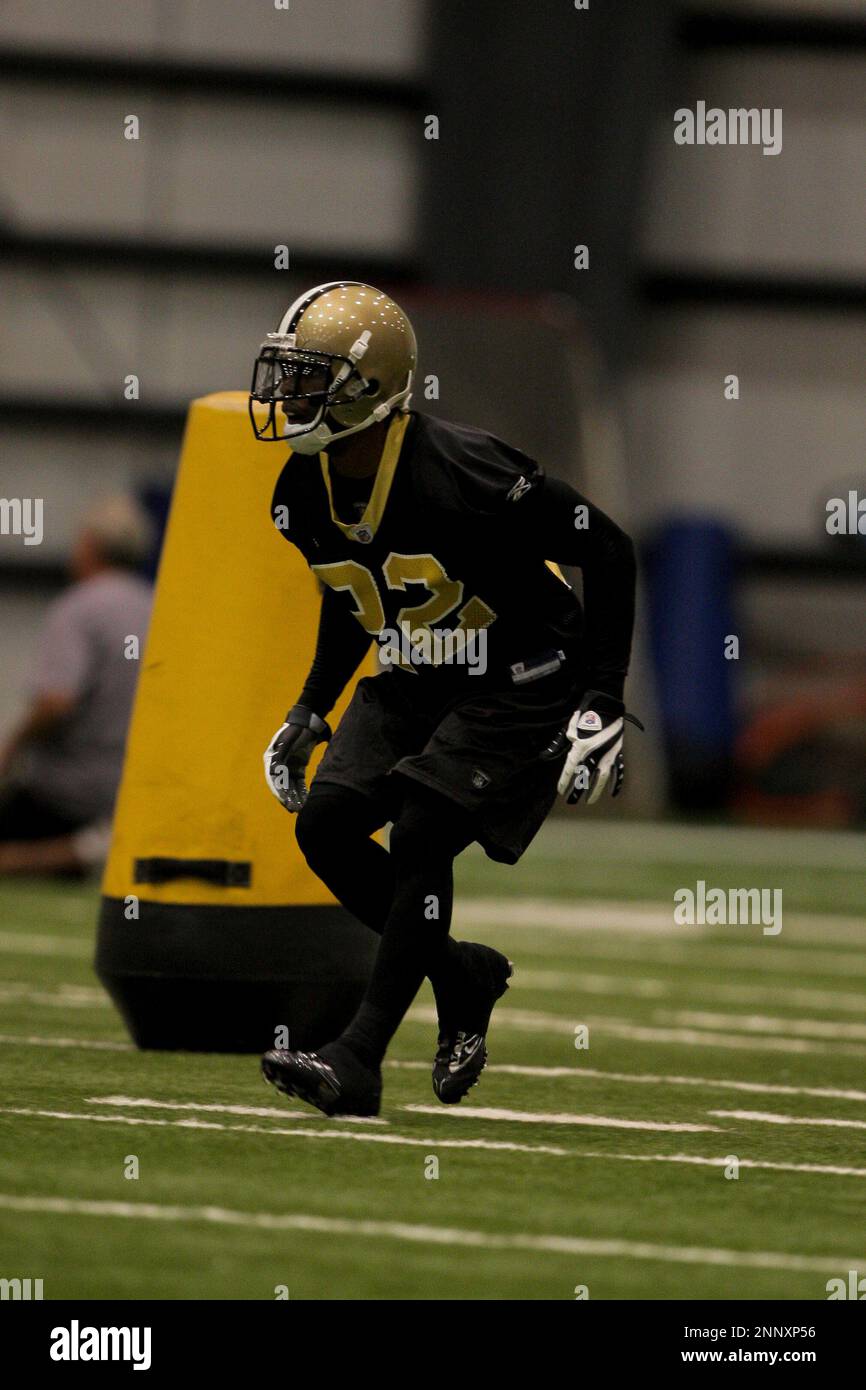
(306, 385)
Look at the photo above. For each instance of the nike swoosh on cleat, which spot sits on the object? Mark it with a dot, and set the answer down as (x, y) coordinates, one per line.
(464, 1052)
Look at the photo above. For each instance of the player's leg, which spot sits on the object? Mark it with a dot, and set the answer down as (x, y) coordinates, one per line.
(344, 1076)
(487, 751)
(429, 833)
(334, 831)
(426, 837)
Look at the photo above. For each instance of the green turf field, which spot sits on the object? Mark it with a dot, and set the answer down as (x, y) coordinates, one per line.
(604, 1167)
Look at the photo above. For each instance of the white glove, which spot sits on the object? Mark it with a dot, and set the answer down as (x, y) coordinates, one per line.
(593, 746)
(288, 753)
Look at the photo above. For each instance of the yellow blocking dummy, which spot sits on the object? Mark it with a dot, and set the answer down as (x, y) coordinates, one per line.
(213, 932)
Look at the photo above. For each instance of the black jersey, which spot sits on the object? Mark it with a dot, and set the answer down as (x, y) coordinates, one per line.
(447, 542)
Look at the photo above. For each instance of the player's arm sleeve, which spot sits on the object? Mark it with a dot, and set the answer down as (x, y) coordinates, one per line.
(567, 528)
(341, 646)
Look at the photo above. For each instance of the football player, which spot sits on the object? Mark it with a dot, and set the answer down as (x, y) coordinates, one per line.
(439, 541)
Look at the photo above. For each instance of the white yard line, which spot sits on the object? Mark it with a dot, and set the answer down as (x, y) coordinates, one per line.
(755, 1042)
(87, 1044)
(528, 1021)
(566, 915)
(782, 996)
(609, 915)
(54, 997)
(637, 987)
(767, 955)
(649, 1079)
(261, 1112)
(822, 1169)
(770, 1118)
(464, 1112)
(324, 1133)
(433, 1235)
(651, 842)
(576, 982)
(529, 1117)
(25, 943)
(762, 1023)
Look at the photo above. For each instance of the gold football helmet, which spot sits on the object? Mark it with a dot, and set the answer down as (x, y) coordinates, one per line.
(342, 358)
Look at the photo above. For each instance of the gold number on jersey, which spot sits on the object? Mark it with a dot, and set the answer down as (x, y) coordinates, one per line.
(348, 574)
(445, 595)
(416, 619)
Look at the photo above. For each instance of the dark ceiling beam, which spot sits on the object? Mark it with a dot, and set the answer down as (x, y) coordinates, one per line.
(698, 29)
(161, 255)
(171, 77)
(44, 413)
(667, 286)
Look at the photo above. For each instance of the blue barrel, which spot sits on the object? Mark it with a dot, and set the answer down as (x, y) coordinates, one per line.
(691, 572)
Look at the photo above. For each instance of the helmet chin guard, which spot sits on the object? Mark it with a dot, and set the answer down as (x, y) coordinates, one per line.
(314, 438)
(345, 354)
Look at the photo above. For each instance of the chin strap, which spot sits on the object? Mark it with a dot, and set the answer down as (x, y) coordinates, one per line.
(315, 440)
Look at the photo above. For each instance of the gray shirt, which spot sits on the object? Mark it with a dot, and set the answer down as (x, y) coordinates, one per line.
(83, 652)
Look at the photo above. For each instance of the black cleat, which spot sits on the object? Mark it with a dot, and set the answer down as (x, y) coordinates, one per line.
(334, 1080)
(462, 1052)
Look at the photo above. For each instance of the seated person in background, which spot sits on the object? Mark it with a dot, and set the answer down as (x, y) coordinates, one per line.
(60, 768)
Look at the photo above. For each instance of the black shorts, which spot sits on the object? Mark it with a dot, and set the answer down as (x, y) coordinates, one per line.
(480, 748)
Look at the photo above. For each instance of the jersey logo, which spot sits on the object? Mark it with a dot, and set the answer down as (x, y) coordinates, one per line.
(480, 779)
(520, 488)
(362, 532)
